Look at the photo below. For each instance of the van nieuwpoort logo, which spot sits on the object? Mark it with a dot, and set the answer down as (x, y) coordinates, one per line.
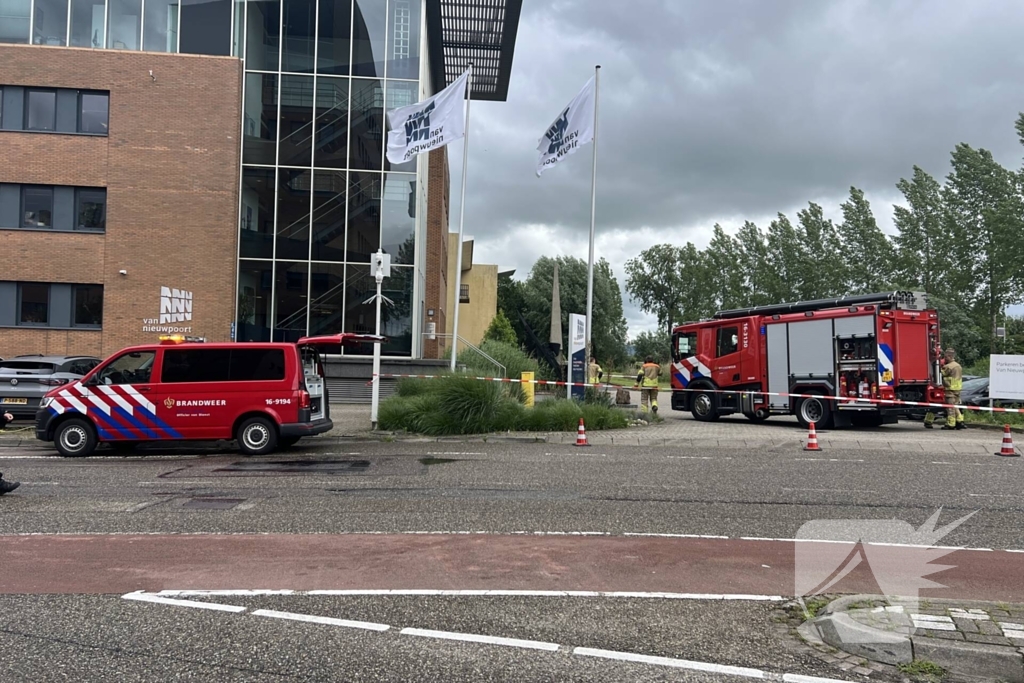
(881, 544)
(175, 305)
(417, 126)
(556, 132)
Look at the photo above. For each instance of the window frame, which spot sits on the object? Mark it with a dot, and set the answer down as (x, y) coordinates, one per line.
(28, 104)
(78, 114)
(722, 333)
(79, 191)
(20, 312)
(74, 308)
(39, 188)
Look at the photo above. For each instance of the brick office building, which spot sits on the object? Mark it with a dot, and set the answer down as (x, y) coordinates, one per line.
(217, 168)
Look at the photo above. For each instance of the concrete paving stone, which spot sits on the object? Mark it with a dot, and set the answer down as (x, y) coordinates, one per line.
(989, 628)
(943, 635)
(846, 666)
(988, 662)
(966, 625)
(999, 612)
(989, 640)
(863, 670)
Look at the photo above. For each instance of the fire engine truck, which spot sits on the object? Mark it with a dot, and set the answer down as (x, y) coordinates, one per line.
(845, 354)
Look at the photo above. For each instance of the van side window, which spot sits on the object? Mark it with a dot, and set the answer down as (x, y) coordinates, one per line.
(195, 365)
(253, 365)
(728, 341)
(134, 367)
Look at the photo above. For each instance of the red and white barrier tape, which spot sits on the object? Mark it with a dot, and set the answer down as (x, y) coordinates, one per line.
(841, 399)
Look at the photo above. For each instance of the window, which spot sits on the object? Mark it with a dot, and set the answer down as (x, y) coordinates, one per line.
(686, 345)
(254, 365)
(88, 306)
(79, 366)
(41, 110)
(196, 365)
(463, 294)
(33, 303)
(37, 207)
(135, 367)
(91, 210)
(93, 112)
(728, 341)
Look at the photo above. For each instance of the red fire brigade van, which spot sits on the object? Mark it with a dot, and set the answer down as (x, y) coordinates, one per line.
(264, 395)
(852, 352)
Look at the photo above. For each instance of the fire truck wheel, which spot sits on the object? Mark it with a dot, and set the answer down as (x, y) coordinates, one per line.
(257, 436)
(75, 439)
(703, 407)
(816, 410)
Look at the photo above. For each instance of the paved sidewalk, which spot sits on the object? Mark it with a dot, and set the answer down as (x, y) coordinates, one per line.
(680, 430)
(971, 638)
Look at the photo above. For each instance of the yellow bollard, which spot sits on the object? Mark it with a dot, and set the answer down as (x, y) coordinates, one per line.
(528, 386)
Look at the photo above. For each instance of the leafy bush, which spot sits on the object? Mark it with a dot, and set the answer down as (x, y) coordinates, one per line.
(515, 360)
(408, 387)
(457, 404)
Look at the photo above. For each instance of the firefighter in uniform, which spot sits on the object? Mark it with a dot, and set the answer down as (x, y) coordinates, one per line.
(952, 380)
(594, 371)
(647, 379)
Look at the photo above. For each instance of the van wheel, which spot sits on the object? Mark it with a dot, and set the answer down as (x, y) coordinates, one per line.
(288, 441)
(75, 438)
(703, 407)
(257, 436)
(816, 410)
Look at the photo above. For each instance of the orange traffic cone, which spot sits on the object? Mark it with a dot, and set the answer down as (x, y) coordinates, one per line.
(812, 440)
(1008, 450)
(581, 435)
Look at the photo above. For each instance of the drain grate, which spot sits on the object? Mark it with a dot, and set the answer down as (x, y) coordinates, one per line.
(212, 503)
(346, 466)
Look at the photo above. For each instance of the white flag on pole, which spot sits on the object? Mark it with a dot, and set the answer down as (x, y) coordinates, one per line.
(573, 128)
(429, 124)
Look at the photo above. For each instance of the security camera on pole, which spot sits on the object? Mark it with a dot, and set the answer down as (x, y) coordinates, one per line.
(380, 268)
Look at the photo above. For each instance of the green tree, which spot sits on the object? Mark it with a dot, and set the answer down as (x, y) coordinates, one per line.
(500, 330)
(919, 261)
(608, 329)
(822, 271)
(655, 345)
(754, 259)
(511, 302)
(866, 250)
(723, 258)
(654, 282)
(958, 329)
(786, 256)
(984, 217)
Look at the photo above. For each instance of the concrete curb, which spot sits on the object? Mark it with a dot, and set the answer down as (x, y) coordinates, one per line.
(991, 662)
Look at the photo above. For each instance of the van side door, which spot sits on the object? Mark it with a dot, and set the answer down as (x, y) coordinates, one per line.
(194, 391)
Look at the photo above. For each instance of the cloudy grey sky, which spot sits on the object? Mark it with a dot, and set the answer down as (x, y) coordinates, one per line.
(731, 110)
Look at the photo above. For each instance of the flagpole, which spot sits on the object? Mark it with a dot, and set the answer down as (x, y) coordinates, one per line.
(593, 207)
(462, 218)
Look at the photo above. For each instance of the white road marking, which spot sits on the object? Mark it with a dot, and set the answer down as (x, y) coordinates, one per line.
(831, 490)
(633, 533)
(1010, 633)
(825, 460)
(992, 495)
(1013, 627)
(487, 593)
(799, 678)
(669, 661)
(472, 638)
(327, 621)
(146, 597)
(452, 453)
(974, 614)
(696, 457)
(934, 626)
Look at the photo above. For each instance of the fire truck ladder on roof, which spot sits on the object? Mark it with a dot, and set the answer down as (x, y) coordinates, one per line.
(908, 300)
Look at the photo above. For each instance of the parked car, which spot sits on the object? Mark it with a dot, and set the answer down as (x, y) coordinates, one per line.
(24, 380)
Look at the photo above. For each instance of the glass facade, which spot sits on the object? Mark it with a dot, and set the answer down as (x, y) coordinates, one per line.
(318, 196)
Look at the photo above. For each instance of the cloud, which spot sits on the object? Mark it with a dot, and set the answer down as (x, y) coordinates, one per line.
(734, 110)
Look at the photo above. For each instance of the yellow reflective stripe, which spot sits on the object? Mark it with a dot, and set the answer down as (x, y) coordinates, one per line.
(955, 384)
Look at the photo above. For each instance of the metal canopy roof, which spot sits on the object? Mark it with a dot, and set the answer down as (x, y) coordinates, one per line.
(479, 31)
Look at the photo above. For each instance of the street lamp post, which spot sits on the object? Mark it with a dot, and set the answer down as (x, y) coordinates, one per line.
(380, 268)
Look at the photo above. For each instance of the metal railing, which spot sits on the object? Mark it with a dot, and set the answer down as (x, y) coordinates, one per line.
(473, 347)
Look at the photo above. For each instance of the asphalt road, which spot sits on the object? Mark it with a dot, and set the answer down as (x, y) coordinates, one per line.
(80, 534)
